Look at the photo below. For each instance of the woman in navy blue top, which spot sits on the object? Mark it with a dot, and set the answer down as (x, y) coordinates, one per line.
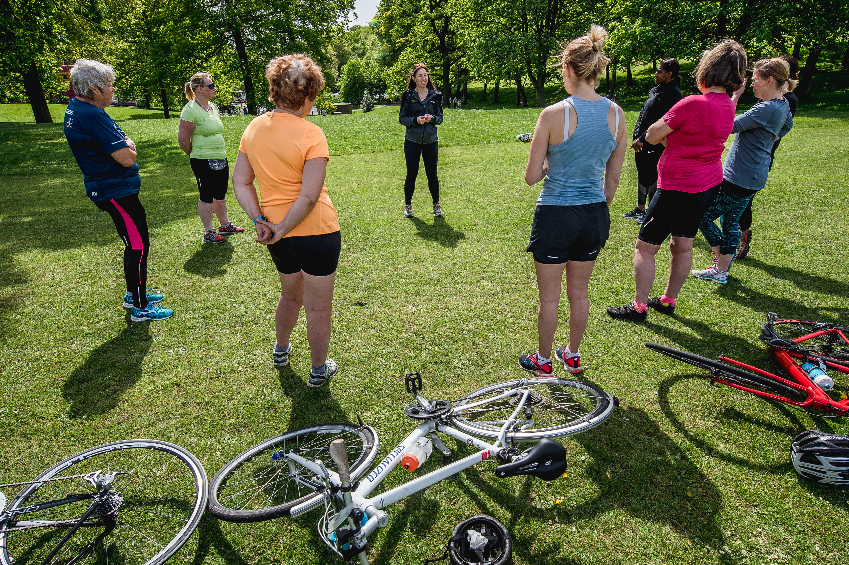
(107, 159)
(578, 148)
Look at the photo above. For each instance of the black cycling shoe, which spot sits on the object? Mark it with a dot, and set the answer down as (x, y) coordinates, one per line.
(627, 312)
(655, 304)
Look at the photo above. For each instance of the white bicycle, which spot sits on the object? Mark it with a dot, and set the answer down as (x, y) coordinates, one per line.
(290, 474)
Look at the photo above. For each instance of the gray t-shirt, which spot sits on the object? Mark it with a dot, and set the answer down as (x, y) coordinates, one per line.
(747, 162)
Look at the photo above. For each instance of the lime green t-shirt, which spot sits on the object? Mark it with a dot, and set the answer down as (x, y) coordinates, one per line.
(207, 139)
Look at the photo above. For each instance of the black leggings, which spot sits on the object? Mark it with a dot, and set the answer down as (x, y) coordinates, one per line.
(430, 154)
(131, 222)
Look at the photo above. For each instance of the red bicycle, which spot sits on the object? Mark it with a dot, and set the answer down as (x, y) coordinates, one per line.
(801, 350)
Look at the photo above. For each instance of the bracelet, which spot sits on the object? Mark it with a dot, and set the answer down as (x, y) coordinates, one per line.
(260, 218)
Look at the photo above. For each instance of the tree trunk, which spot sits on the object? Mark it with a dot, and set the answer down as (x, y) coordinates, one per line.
(495, 91)
(244, 62)
(521, 99)
(607, 80)
(484, 93)
(147, 99)
(722, 20)
(163, 96)
(797, 47)
(32, 85)
(615, 59)
(465, 92)
(629, 76)
(845, 64)
(446, 79)
(805, 89)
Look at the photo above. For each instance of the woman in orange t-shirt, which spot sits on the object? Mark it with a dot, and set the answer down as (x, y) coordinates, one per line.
(293, 215)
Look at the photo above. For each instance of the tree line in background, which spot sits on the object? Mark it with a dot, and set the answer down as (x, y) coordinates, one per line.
(156, 45)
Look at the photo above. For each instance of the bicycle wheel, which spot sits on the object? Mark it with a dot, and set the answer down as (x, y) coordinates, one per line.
(731, 374)
(160, 492)
(555, 407)
(259, 485)
(830, 344)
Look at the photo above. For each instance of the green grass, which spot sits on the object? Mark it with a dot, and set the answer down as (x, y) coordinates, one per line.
(683, 472)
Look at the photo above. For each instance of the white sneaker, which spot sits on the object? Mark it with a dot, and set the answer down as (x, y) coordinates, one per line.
(712, 274)
(408, 211)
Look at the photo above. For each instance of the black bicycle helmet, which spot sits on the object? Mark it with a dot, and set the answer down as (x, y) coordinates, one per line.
(821, 457)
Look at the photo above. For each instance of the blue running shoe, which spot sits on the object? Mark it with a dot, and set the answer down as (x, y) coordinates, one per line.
(152, 313)
(152, 298)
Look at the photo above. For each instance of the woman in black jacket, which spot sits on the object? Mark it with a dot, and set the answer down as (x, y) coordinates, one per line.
(661, 98)
(421, 112)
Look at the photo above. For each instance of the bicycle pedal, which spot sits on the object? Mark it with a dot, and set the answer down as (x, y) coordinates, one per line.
(448, 459)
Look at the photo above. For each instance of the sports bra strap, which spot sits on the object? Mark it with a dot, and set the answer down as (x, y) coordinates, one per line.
(615, 111)
(566, 105)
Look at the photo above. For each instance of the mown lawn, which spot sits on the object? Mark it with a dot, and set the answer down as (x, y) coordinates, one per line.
(683, 472)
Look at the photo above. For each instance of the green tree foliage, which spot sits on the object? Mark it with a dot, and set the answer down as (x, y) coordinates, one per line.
(359, 76)
(30, 31)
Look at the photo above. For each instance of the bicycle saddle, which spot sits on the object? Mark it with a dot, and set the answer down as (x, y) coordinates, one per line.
(546, 460)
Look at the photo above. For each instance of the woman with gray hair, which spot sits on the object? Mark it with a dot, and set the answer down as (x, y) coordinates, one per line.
(107, 159)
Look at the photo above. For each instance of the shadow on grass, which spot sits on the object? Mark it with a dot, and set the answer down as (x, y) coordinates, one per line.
(416, 514)
(210, 537)
(637, 468)
(210, 260)
(309, 405)
(440, 232)
(10, 275)
(807, 281)
(98, 384)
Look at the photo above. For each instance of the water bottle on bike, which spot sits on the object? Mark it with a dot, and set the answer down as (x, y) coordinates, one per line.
(818, 375)
(417, 455)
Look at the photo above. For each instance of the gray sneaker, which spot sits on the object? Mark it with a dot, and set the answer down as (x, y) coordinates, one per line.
(281, 358)
(317, 379)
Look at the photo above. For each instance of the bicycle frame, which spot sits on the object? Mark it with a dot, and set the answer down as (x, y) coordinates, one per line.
(373, 507)
(786, 358)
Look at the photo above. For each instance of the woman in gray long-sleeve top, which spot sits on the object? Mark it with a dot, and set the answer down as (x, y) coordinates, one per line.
(421, 112)
(747, 163)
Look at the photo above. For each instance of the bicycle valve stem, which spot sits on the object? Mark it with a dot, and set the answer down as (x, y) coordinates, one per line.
(339, 454)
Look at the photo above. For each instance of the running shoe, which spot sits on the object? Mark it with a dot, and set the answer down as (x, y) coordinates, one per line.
(627, 312)
(655, 304)
(317, 379)
(408, 211)
(711, 274)
(531, 363)
(281, 358)
(229, 229)
(437, 211)
(640, 218)
(152, 298)
(572, 363)
(150, 313)
(743, 245)
(212, 237)
(633, 214)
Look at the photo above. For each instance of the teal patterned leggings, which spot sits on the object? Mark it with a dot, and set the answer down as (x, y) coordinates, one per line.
(728, 208)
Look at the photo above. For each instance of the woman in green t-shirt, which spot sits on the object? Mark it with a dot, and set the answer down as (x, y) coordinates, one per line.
(201, 138)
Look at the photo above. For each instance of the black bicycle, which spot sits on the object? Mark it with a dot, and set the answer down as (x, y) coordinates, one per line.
(133, 502)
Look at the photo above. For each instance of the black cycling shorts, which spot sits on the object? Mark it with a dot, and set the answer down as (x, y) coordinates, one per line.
(569, 233)
(316, 255)
(672, 212)
(212, 176)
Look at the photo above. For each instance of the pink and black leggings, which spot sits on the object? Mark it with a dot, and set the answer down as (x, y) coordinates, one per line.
(131, 222)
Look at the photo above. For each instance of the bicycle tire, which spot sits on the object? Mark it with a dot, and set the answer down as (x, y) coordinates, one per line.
(732, 374)
(252, 488)
(560, 407)
(163, 489)
(829, 345)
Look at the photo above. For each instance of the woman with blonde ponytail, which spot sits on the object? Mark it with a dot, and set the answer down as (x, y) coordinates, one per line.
(201, 138)
(747, 163)
(577, 150)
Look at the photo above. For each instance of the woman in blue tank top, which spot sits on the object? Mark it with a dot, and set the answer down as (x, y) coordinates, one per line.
(577, 149)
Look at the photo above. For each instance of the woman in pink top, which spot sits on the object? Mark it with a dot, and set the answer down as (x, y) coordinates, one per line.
(689, 174)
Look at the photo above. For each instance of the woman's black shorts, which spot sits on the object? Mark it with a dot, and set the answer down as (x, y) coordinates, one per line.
(316, 255)
(569, 233)
(212, 176)
(672, 212)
